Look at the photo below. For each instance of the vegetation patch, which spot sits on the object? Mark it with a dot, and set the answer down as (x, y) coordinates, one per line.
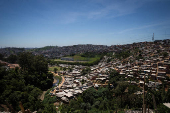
(86, 59)
(25, 84)
(58, 68)
(48, 99)
(122, 55)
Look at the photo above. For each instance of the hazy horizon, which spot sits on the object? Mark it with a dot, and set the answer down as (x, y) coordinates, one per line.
(39, 23)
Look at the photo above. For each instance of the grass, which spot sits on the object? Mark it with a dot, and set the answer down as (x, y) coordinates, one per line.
(80, 58)
(52, 68)
(57, 60)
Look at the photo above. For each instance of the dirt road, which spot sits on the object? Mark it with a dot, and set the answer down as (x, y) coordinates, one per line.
(63, 79)
(42, 96)
(54, 74)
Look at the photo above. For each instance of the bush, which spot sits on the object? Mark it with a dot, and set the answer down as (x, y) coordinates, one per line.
(163, 109)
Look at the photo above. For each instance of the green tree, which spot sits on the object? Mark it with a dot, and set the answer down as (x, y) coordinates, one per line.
(32, 64)
(15, 90)
(120, 90)
(89, 95)
(104, 104)
(40, 64)
(12, 58)
(163, 109)
(165, 54)
(25, 61)
(64, 69)
(133, 88)
(86, 71)
(55, 70)
(51, 62)
(1, 56)
(113, 77)
(70, 69)
(61, 68)
(49, 108)
(35, 69)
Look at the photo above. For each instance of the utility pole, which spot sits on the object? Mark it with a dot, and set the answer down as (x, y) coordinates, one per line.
(154, 103)
(144, 105)
(153, 37)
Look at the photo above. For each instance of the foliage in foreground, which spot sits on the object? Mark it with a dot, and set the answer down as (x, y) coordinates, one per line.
(26, 83)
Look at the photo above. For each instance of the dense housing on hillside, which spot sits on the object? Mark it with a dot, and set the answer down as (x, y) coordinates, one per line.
(152, 64)
(138, 64)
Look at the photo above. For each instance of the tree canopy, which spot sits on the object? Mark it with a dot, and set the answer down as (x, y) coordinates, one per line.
(26, 83)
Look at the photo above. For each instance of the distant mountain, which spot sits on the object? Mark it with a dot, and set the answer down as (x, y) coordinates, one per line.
(57, 52)
(42, 48)
(11, 50)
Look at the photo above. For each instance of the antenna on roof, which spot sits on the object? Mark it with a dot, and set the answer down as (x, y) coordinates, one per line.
(153, 37)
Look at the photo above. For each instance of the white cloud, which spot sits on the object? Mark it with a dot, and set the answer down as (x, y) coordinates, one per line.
(96, 9)
(108, 9)
(115, 8)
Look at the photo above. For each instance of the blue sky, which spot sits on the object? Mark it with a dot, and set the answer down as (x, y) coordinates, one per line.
(38, 23)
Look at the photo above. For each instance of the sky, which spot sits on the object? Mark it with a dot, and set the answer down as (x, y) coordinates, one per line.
(39, 23)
